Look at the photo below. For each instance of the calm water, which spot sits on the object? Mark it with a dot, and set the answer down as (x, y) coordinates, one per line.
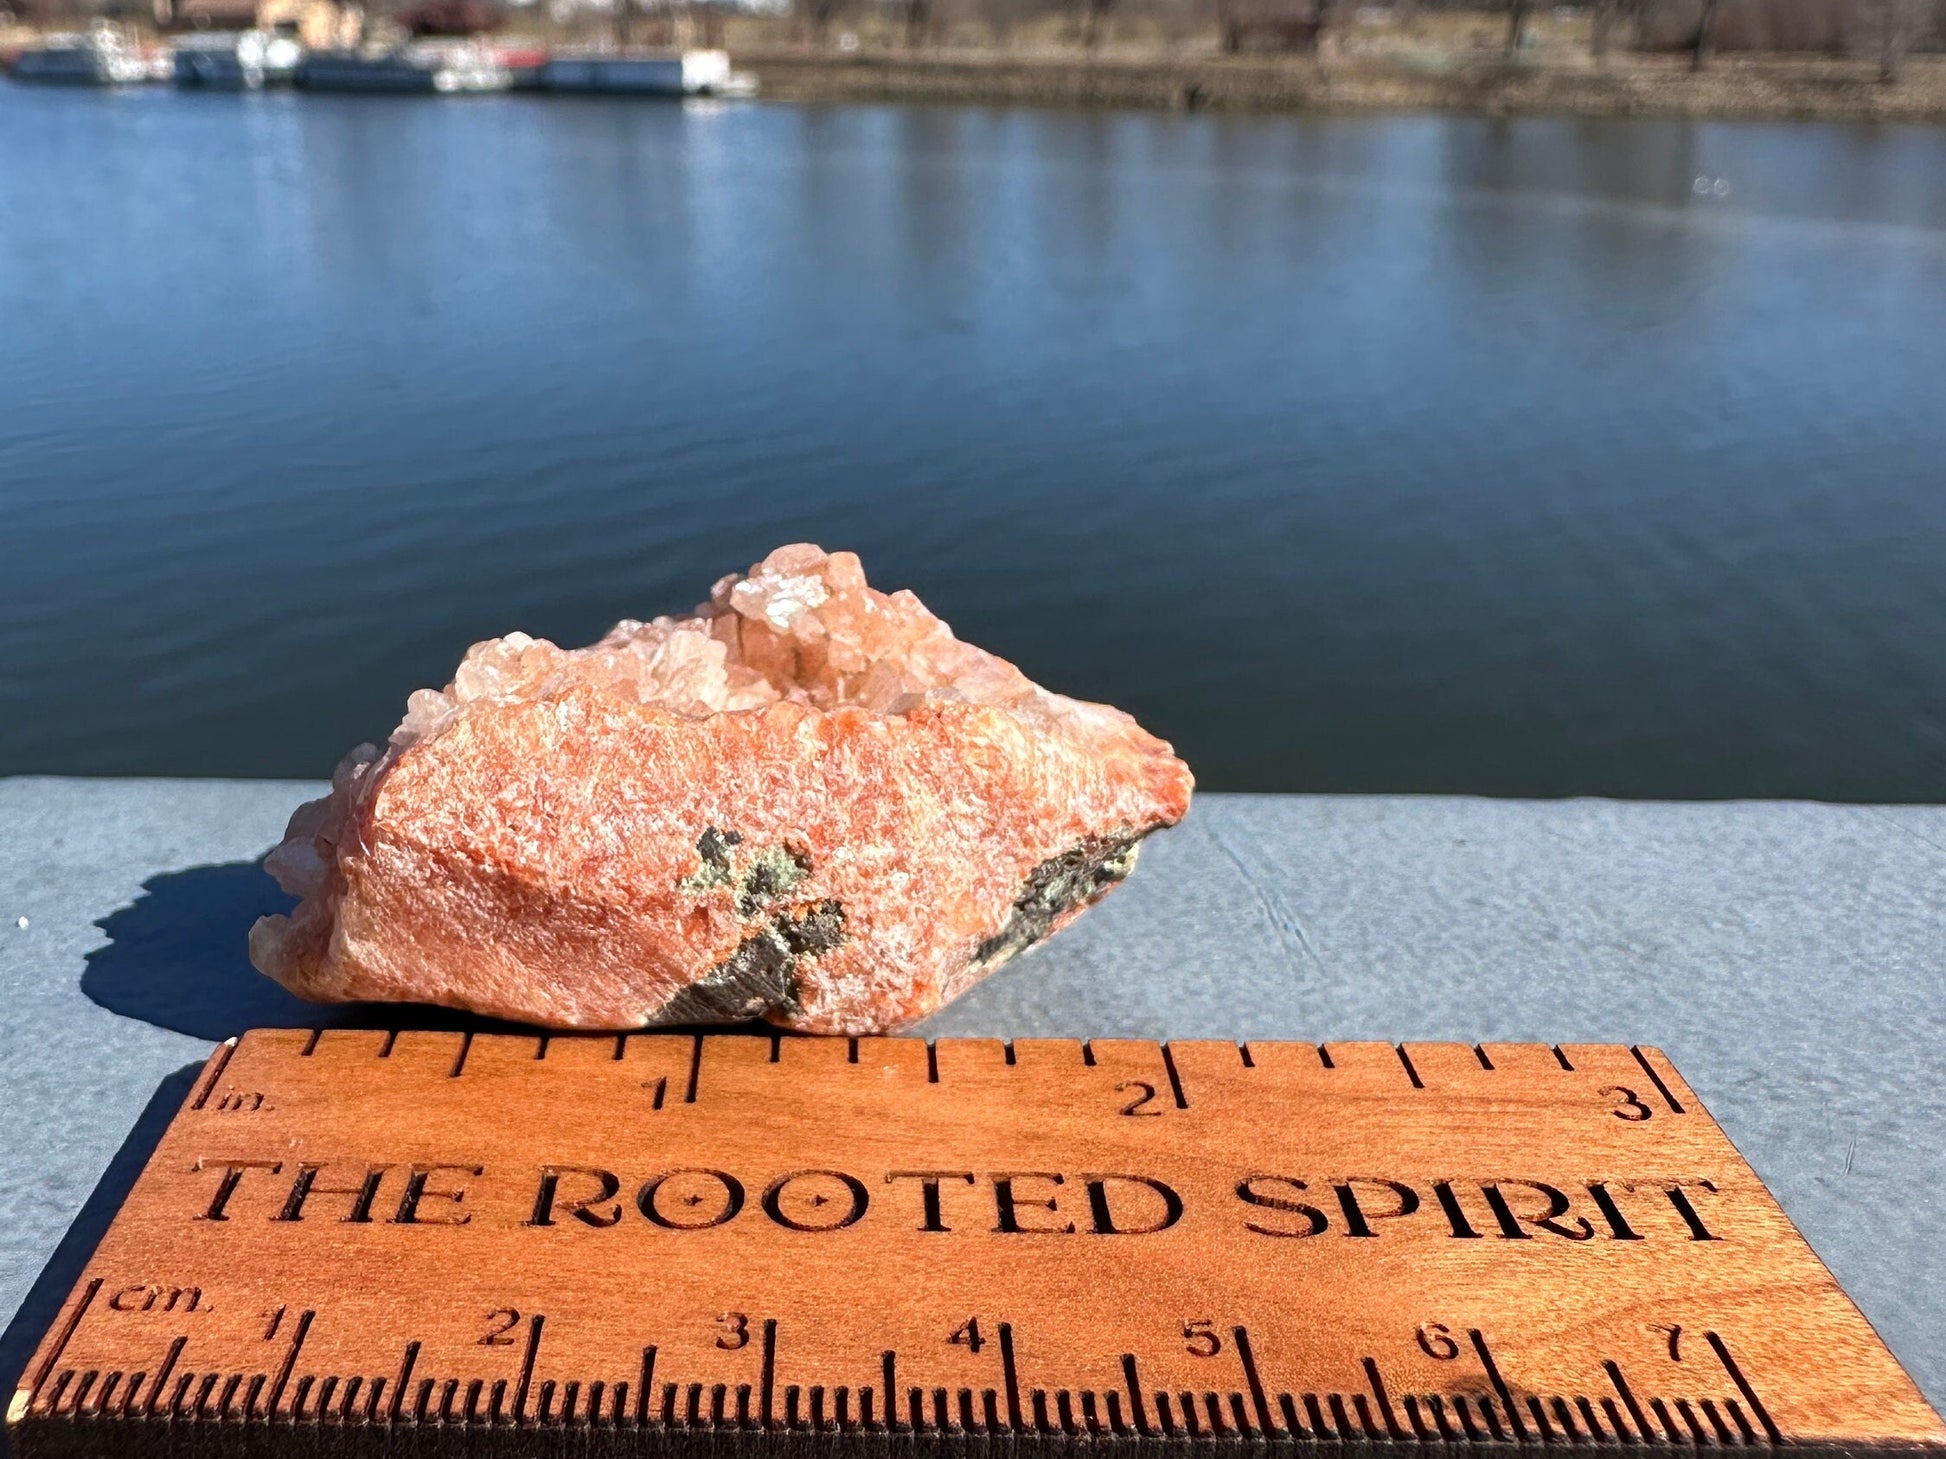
(1408, 454)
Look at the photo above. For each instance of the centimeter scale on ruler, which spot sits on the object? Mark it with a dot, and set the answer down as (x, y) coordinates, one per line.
(423, 1242)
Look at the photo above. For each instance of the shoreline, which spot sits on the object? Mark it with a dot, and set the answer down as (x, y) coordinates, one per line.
(1735, 88)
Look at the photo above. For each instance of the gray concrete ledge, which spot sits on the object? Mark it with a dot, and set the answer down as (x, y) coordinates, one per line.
(1788, 956)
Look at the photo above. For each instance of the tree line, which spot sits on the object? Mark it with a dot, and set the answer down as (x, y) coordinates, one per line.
(1887, 30)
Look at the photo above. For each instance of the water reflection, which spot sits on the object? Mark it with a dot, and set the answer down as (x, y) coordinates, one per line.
(1410, 453)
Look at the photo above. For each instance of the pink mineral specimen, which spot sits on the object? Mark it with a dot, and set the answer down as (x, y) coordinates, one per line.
(809, 803)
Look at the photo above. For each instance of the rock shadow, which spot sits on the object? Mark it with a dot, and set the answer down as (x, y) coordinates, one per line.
(43, 1301)
(178, 957)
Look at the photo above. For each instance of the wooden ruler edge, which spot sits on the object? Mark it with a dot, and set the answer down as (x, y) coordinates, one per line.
(631, 1434)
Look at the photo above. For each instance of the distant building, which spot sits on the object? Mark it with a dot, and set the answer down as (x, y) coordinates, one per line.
(319, 24)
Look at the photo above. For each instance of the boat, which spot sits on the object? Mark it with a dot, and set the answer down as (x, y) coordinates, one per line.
(526, 64)
(236, 60)
(100, 57)
(445, 68)
(644, 73)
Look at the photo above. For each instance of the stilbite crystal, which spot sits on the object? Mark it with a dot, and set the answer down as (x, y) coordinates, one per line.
(808, 802)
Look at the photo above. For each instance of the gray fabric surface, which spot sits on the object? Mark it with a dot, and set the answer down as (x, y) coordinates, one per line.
(1788, 956)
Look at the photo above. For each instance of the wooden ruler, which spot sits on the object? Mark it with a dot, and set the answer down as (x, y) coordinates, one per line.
(447, 1244)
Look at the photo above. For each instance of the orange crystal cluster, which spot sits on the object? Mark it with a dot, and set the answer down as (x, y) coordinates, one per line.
(807, 802)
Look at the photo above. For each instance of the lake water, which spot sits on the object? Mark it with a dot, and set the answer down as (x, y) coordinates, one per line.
(1367, 454)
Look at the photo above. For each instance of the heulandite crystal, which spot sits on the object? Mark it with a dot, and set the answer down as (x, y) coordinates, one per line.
(808, 803)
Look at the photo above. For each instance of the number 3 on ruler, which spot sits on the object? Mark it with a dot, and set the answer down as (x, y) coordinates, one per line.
(1628, 1104)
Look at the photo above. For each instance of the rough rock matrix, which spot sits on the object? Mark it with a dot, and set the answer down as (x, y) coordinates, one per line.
(808, 803)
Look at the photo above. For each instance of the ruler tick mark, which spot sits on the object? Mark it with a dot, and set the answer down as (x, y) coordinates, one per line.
(1249, 1360)
(1743, 1424)
(1137, 1409)
(405, 1376)
(1562, 1059)
(1175, 1079)
(695, 1070)
(1697, 1432)
(1011, 1373)
(1670, 1427)
(290, 1361)
(1363, 1408)
(764, 1411)
(1722, 1351)
(1410, 1072)
(1715, 1416)
(1622, 1428)
(1499, 1384)
(169, 1361)
(527, 1367)
(1589, 1417)
(1675, 1105)
(219, 1061)
(459, 1059)
(932, 1062)
(67, 1333)
(1384, 1404)
(1650, 1435)
(1541, 1423)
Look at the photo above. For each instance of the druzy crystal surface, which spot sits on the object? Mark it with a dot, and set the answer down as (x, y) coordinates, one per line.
(808, 802)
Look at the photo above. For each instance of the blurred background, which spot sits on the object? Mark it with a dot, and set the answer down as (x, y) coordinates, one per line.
(1360, 395)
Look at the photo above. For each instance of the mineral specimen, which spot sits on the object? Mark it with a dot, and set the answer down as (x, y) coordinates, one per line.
(809, 802)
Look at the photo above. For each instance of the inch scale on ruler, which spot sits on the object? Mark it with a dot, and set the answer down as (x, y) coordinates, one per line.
(435, 1243)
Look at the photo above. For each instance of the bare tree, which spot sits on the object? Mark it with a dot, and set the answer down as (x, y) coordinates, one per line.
(817, 16)
(1000, 18)
(1516, 25)
(918, 23)
(1281, 25)
(1606, 17)
(1900, 25)
(1093, 14)
(1705, 45)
